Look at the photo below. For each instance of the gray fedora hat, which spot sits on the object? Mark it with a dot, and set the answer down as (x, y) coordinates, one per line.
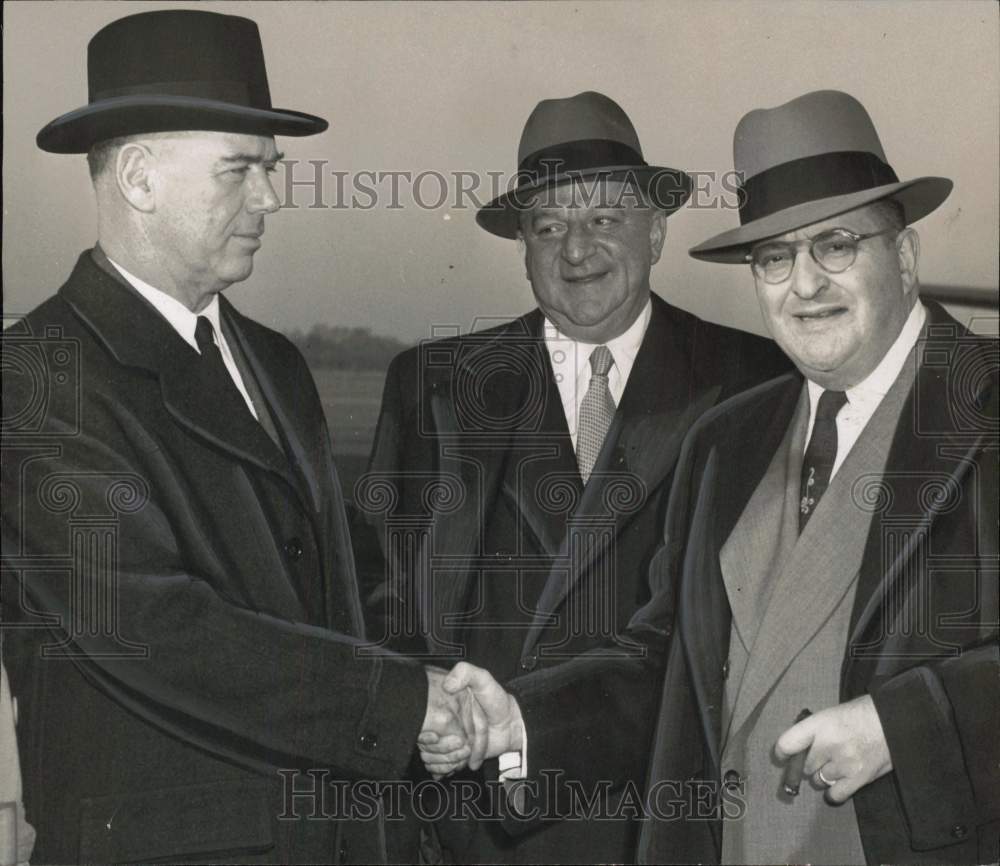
(584, 136)
(808, 160)
(170, 70)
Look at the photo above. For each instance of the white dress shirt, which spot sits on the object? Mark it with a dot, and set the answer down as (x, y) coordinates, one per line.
(184, 323)
(864, 398)
(570, 361)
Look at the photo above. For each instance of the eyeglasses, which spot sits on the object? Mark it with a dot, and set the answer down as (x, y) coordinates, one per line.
(834, 251)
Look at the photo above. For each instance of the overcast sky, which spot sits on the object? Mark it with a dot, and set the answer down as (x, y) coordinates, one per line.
(447, 88)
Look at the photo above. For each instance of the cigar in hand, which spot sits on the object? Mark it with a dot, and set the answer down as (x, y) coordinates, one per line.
(792, 778)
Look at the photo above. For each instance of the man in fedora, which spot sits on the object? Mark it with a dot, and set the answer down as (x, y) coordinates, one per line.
(187, 615)
(833, 680)
(518, 482)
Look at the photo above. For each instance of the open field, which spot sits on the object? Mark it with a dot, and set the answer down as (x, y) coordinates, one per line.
(351, 402)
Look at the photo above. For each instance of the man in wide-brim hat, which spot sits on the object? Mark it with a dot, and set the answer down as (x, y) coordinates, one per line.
(169, 462)
(833, 678)
(555, 436)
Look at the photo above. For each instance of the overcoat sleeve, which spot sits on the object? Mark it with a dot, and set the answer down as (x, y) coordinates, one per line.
(185, 652)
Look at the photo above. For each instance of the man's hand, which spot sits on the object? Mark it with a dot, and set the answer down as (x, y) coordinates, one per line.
(491, 719)
(443, 726)
(846, 743)
(503, 730)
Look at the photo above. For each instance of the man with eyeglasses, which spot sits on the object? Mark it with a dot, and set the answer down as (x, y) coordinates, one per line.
(832, 693)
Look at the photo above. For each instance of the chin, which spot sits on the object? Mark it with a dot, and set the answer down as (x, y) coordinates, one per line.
(237, 272)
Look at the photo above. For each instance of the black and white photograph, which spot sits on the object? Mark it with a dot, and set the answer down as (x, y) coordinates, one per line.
(500, 432)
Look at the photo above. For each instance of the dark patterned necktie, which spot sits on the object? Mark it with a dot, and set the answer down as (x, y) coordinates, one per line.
(596, 411)
(817, 464)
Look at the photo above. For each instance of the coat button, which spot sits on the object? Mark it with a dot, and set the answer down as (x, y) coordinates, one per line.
(342, 853)
(959, 831)
(725, 670)
(369, 742)
(732, 780)
(529, 663)
(293, 548)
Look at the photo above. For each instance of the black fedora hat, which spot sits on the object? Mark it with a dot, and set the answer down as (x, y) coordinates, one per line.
(173, 70)
(808, 160)
(584, 136)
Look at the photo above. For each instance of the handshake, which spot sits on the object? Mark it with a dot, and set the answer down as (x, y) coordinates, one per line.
(470, 717)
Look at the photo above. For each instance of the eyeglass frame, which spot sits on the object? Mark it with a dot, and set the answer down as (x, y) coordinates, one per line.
(811, 242)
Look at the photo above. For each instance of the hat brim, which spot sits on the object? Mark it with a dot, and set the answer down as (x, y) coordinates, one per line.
(667, 188)
(918, 197)
(77, 131)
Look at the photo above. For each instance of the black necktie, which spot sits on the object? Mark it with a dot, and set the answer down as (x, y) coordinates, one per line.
(817, 464)
(217, 375)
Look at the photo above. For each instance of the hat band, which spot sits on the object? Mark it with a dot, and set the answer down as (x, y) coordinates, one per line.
(580, 155)
(236, 92)
(811, 178)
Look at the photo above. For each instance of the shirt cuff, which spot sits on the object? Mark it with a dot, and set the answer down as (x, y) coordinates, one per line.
(513, 768)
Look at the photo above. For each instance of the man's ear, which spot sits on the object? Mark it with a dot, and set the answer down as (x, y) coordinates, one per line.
(908, 251)
(657, 235)
(134, 168)
(522, 249)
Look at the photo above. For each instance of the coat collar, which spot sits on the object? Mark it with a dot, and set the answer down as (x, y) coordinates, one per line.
(137, 336)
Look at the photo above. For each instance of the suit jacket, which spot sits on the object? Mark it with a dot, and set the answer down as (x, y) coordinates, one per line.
(922, 634)
(484, 518)
(187, 603)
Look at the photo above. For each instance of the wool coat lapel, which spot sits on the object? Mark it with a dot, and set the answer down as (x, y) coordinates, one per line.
(824, 564)
(934, 448)
(708, 513)
(306, 445)
(543, 476)
(496, 407)
(759, 542)
(137, 336)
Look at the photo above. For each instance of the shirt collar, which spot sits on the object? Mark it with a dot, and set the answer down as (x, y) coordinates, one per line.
(877, 384)
(623, 348)
(180, 317)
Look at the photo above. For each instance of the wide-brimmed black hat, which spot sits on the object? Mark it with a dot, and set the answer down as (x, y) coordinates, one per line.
(174, 70)
(582, 137)
(810, 159)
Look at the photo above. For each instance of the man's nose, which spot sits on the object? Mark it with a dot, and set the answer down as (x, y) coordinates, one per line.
(578, 244)
(262, 198)
(808, 277)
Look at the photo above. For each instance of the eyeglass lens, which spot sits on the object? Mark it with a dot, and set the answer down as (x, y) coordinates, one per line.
(835, 251)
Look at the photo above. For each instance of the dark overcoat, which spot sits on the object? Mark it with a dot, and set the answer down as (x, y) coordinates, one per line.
(923, 630)
(187, 614)
(499, 554)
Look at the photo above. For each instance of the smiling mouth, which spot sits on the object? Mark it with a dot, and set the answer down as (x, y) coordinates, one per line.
(820, 315)
(585, 278)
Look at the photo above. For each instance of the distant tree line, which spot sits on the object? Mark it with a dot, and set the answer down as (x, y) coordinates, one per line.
(342, 348)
